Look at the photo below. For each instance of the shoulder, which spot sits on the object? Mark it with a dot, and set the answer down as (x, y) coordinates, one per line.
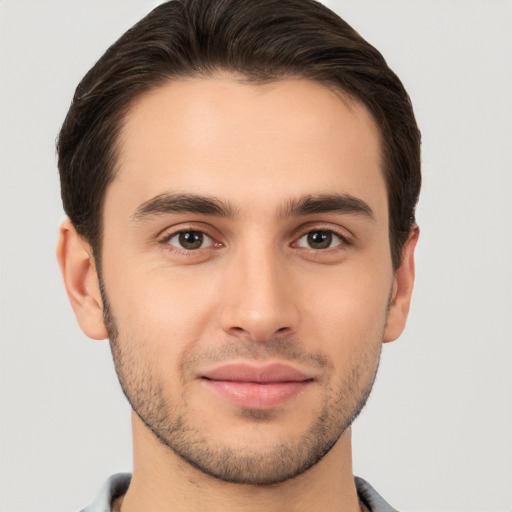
(373, 501)
(113, 488)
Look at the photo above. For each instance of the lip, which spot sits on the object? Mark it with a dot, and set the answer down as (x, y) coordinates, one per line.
(256, 387)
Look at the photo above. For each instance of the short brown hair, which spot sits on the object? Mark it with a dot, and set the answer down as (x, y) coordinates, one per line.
(262, 40)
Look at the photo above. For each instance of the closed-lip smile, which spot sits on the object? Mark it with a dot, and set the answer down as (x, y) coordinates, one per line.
(256, 387)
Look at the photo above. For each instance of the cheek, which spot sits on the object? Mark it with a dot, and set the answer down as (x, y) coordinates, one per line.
(168, 311)
(350, 311)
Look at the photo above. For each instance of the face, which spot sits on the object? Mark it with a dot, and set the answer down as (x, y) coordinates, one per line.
(246, 271)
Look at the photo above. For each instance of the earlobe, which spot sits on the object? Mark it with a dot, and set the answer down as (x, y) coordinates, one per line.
(402, 290)
(79, 272)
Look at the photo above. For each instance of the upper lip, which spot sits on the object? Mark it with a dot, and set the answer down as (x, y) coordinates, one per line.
(243, 372)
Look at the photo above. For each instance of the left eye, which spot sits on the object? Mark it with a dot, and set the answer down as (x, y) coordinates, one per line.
(320, 239)
(190, 240)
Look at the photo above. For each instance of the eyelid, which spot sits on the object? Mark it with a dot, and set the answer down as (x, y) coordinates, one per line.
(199, 226)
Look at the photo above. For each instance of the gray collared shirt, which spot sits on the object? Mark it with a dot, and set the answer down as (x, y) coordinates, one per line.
(117, 485)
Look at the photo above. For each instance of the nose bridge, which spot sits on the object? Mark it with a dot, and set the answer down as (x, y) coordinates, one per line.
(259, 300)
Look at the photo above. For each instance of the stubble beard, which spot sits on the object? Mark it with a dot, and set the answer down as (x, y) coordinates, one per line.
(242, 464)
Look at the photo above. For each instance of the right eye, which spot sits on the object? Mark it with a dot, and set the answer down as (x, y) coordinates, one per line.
(190, 240)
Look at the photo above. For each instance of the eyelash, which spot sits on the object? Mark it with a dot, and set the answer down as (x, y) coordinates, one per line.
(344, 240)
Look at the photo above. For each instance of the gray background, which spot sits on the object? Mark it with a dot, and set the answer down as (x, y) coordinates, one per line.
(437, 433)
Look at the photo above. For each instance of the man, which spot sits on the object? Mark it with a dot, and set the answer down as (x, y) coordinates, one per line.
(240, 179)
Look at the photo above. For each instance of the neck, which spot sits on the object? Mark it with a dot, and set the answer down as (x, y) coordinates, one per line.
(163, 482)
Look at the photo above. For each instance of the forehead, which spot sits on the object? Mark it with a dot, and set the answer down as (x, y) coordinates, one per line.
(236, 140)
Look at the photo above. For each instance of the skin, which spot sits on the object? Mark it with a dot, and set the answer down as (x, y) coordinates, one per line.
(256, 290)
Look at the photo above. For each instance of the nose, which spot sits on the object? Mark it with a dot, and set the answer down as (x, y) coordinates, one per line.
(259, 300)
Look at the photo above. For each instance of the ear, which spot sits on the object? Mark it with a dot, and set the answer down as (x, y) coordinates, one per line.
(402, 290)
(78, 269)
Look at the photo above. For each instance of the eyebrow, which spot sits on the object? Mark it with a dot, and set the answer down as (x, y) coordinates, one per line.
(327, 203)
(164, 204)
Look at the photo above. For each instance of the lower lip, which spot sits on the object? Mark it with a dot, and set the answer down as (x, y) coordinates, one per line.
(251, 395)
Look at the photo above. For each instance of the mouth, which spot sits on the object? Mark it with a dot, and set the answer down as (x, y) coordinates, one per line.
(253, 387)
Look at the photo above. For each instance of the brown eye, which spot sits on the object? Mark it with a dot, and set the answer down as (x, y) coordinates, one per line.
(190, 240)
(319, 239)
